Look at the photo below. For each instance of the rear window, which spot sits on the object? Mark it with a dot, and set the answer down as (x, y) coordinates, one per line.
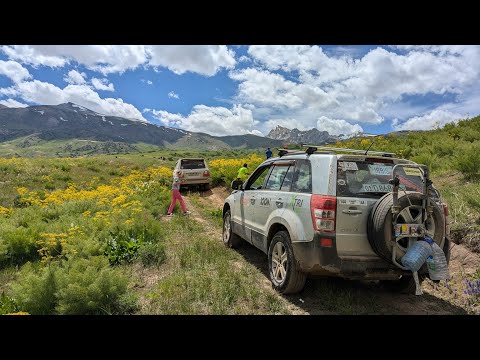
(192, 164)
(370, 178)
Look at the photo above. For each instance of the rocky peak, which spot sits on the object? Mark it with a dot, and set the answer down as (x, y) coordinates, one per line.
(295, 136)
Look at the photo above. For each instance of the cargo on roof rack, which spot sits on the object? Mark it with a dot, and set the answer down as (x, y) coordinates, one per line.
(314, 148)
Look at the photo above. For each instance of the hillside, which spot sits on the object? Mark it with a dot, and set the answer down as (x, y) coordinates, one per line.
(251, 141)
(69, 122)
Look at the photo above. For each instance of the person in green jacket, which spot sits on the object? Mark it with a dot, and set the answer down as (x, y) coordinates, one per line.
(243, 173)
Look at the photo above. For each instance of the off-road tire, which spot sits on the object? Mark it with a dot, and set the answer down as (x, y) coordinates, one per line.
(229, 238)
(293, 280)
(380, 229)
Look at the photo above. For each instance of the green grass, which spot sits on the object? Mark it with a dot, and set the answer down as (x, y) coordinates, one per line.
(210, 279)
(213, 214)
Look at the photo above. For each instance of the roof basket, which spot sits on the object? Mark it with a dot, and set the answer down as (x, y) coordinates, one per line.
(312, 148)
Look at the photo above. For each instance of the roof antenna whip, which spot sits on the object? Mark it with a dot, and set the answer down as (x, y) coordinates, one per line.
(371, 144)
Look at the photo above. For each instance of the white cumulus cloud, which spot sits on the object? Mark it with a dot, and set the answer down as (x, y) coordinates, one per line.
(75, 78)
(337, 126)
(12, 103)
(244, 58)
(357, 89)
(44, 93)
(218, 121)
(173, 95)
(431, 120)
(203, 59)
(14, 71)
(103, 58)
(102, 84)
(9, 91)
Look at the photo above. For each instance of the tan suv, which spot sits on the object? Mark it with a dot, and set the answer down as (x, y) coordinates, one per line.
(194, 172)
(350, 215)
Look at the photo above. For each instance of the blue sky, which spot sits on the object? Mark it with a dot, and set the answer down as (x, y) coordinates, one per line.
(231, 90)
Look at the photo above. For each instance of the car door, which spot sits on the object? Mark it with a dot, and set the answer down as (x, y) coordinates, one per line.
(300, 196)
(271, 198)
(245, 200)
(358, 189)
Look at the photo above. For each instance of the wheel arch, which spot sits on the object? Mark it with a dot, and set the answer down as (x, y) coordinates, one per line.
(274, 228)
(226, 207)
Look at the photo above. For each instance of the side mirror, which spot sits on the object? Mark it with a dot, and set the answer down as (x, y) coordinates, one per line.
(237, 185)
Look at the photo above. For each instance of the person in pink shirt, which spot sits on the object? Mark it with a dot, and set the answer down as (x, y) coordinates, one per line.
(176, 194)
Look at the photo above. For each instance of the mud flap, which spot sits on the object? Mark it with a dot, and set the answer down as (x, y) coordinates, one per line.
(418, 289)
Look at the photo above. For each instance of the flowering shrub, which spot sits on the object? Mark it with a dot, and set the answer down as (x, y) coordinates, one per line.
(224, 171)
(6, 212)
(472, 290)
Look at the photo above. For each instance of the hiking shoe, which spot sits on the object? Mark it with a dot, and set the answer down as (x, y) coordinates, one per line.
(186, 213)
(169, 215)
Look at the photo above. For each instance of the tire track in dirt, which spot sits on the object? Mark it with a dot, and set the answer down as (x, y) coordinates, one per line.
(215, 197)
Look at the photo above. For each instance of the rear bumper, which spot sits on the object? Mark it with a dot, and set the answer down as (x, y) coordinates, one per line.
(186, 182)
(317, 260)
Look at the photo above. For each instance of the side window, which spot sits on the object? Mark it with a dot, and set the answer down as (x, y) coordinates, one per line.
(302, 180)
(256, 180)
(287, 181)
(276, 177)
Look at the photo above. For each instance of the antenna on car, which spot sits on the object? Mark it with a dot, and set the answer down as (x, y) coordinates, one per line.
(374, 138)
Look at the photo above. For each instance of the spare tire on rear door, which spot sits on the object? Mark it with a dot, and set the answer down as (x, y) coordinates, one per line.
(380, 229)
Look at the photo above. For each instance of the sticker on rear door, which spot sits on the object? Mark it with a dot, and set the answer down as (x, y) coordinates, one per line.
(348, 165)
(381, 170)
(412, 171)
(357, 202)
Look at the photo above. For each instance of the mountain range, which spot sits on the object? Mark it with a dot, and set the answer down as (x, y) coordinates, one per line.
(71, 121)
(295, 136)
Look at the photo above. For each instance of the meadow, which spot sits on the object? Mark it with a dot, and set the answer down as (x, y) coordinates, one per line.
(74, 232)
(88, 235)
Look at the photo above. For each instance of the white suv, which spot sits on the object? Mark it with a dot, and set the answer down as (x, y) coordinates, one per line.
(330, 214)
(193, 172)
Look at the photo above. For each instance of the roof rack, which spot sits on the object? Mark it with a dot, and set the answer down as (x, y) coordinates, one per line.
(282, 152)
(313, 148)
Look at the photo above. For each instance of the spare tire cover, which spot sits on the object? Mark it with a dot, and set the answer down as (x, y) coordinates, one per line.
(380, 229)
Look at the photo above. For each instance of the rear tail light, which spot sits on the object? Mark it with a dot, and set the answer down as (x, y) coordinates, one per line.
(206, 173)
(323, 212)
(324, 242)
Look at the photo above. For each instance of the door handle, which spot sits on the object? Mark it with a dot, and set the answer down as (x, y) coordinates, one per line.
(352, 212)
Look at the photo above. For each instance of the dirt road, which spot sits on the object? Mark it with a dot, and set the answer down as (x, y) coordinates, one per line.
(337, 296)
